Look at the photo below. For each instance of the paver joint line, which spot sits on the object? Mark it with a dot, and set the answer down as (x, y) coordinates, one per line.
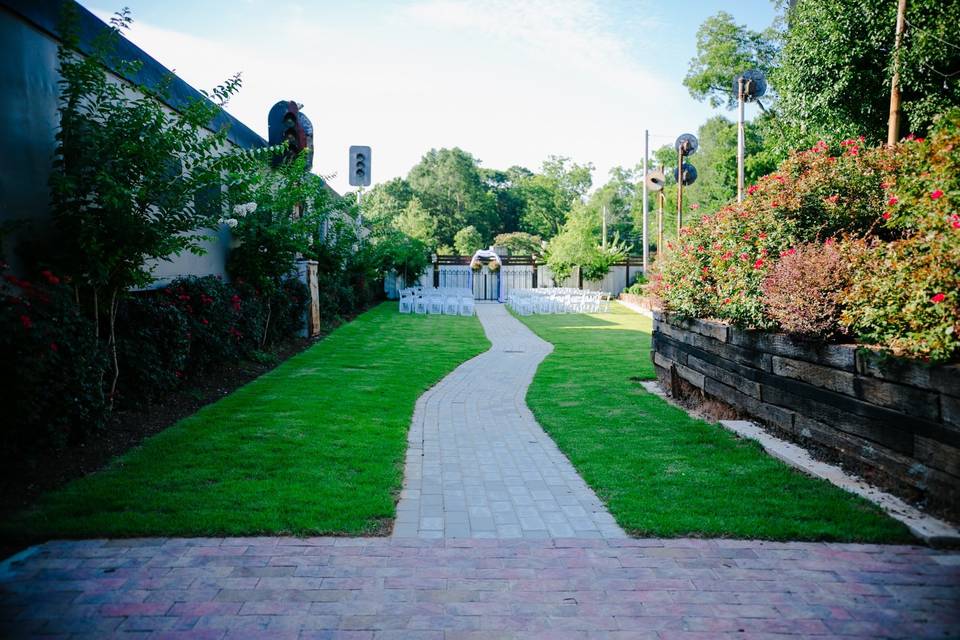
(475, 445)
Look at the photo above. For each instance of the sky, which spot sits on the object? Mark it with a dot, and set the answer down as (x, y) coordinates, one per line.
(510, 81)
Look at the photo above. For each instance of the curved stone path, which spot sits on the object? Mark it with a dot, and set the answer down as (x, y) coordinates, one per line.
(478, 464)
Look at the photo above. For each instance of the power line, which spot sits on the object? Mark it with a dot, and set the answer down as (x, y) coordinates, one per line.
(930, 33)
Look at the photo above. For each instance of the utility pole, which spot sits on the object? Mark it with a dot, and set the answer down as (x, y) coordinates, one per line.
(604, 241)
(646, 163)
(679, 190)
(741, 136)
(893, 124)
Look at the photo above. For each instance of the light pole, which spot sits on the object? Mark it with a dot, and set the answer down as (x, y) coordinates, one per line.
(646, 206)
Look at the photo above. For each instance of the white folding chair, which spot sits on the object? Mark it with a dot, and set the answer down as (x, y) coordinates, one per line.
(406, 302)
(451, 306)
(421, 305)
(435, 304)
(466, 306)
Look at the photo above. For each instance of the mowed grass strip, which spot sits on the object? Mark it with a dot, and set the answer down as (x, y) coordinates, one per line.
(316, 446)
(661, 472)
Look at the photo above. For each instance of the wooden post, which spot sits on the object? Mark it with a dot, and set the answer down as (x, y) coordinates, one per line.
(628, 270)
(534, 280)
(661, 197)
(893, 124)
(679, 190)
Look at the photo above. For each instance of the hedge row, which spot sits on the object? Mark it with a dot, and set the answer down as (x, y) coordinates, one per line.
(841, 242)
(54, 394)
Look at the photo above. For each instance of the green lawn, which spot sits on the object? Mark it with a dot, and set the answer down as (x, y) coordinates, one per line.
(661, 472)
(314, 447)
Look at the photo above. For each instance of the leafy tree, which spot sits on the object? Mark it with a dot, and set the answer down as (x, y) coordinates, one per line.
(467, 241)
(506, 187)
(838, 58)
(270, 236)
(725, 49)
(578, 245)
(416, 222)
(129, 174)
(397, 252)
(519, 243)
(451, 190)
(386, 202)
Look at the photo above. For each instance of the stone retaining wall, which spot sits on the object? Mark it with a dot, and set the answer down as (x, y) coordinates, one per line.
(894, 421)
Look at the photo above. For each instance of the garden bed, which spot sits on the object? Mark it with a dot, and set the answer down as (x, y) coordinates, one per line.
(894, 421)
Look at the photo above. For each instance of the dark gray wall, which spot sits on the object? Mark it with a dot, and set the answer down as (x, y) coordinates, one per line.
(28, 123)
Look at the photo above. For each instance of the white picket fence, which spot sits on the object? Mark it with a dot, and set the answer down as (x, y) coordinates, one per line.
(510, 277)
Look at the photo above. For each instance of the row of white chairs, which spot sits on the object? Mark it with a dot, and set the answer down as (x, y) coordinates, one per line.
(447, 301)
(558, 300)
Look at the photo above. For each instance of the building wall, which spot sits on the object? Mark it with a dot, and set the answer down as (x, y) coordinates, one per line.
(29, 121)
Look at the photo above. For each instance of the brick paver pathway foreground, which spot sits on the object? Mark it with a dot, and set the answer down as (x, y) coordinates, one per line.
(467, 588)
(478, 464)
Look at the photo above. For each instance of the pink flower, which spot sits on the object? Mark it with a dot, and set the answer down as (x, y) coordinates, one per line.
(744, 257)
(833, 199)
(892, 201)
(936, 194)
(955, 221)
(695, 206)
(938, 298)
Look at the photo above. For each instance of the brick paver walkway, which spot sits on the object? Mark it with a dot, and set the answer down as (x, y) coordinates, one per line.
(466, 588)
(478, 464)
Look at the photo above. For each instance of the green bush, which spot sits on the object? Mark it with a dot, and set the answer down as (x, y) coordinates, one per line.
(153, 348)
(900, 200)
(51, 382)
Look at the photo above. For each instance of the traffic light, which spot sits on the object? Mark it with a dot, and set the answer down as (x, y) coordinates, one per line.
(359, 166)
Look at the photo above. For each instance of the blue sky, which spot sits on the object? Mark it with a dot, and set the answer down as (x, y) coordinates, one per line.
(511, 81)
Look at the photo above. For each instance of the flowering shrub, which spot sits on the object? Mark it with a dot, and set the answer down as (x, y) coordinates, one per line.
(153, 348)
(902, 200)
(51, 382)
(906, 293)
(803, 290)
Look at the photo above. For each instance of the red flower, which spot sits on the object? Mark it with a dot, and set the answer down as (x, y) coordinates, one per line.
(936, 194)
(955, 221)
(938, 298)
(752, 189)
(758, 263)
(178, 373)
(26, 321)
(184, 297)
(886, 215)
(54, 347)
(892, 201)
(52, 279)
(204, 321)
(726, 301)
(833, 199)
(774, 204)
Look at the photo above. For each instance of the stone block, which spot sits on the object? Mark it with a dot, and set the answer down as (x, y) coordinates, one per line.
(777, 416)
(725, 375)
(815, 374)
(900, 397)
(940, 378)
(715, 330)
(938, 455)
(950, 411)
(840, 356)
(693, 377)
(896, 436)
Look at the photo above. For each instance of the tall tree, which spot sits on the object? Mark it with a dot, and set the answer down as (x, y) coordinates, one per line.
(724, 49)
(451, 190)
